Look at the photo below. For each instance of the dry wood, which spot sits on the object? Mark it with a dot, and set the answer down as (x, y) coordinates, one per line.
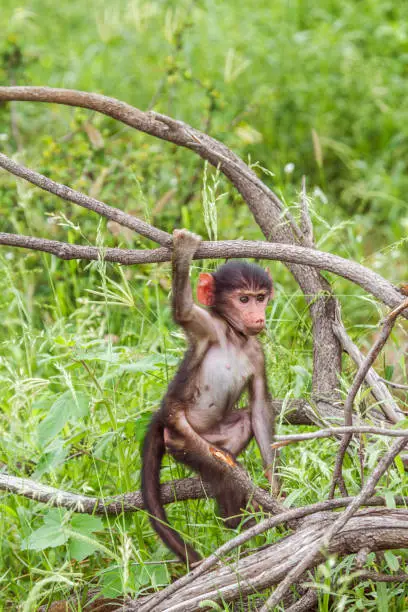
(323, 542)
(71, 195)
(266, 207)
(279, 562)
(335, 431)
(380, 529)
(378, 389)
(390, 383)
(372, 355)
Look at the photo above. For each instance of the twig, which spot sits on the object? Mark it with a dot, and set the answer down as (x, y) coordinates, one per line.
(376, 577)
(357, 382)
(365, 493)
(335, 431)
(393, 384)
(378, 389)
(71, 195)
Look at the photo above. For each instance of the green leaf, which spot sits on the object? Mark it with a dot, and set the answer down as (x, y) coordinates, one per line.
(50, 535)
(382, 599)
(389, 371)
(85, 525)
(80, 550)
(45, 537)
(67, 407)
(389, 499)
(50, 460)
(392, 561)
(400, 467)
(112, 584)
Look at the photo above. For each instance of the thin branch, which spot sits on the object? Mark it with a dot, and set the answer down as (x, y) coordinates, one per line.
(152, 123)
(395, 385)
(371, 356)
(376, 577)
(378, 389)
(367, 279)
(323, 542)
(67, 251)
(335, 431)
(71, 195)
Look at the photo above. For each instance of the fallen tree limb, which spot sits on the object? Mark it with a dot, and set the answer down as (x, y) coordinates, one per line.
(323, 542)
(291, 516)
(379, 529)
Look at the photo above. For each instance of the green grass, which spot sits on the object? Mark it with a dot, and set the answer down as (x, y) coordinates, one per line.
(87, 350)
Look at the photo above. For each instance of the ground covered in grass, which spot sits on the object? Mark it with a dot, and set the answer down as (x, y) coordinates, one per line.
(86, 350)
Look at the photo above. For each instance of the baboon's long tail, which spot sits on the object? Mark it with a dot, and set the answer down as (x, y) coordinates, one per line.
(153, 451)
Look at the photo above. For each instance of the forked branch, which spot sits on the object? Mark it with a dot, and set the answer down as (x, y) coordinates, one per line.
(372, 355)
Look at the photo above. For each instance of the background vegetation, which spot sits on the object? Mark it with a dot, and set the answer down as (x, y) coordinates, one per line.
(296, 87)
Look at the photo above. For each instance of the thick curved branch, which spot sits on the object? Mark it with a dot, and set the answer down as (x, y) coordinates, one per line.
(268, 211)
(378, 529)
(71, 195)
(367, 279)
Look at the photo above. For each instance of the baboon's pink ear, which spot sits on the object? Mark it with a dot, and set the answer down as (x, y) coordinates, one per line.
(272, 293)
(205, 289)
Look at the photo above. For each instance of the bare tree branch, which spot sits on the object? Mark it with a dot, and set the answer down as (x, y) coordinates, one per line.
(71, 195)
(335, 431)
(381, 529)
(390, 383)
(264, 204)
(378, 389)
(323, 542)
(177, 490)
(370, 281)
(357, 382)
(266, 207)
(288, 517)
(378, 577)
